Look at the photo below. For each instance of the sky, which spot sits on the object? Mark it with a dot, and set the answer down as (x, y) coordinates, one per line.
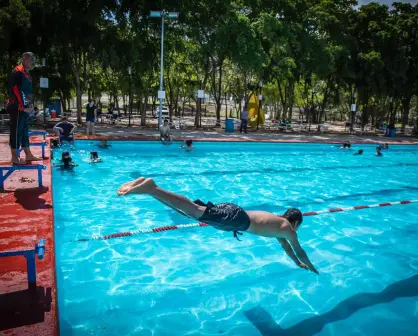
(387, 2)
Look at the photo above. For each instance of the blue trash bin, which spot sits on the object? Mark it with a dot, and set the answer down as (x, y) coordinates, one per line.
(229, 125)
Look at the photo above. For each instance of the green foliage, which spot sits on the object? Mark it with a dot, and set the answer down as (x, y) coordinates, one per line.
(313, 54)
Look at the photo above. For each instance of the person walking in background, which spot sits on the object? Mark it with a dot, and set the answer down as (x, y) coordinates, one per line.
(91, 116)
(19, 106)
(244, 120)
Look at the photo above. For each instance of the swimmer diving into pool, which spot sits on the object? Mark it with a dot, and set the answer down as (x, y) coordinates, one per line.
(230, 217)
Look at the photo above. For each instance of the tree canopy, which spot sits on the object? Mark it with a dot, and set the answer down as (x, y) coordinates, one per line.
(313, 54)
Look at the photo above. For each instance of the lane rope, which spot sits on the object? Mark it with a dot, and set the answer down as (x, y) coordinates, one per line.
(189, 226)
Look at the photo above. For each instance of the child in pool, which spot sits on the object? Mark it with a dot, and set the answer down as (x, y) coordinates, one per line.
(94, 157)
(189, 145)
(66, 162)
(104, 144)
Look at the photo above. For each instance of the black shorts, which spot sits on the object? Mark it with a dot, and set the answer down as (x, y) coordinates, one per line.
(19, 127)
(225, 217)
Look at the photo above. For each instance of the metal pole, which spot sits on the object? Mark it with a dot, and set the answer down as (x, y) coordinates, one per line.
(130, 100)
(160, 115)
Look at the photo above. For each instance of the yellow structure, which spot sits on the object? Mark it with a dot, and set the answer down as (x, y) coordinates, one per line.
(253, 105)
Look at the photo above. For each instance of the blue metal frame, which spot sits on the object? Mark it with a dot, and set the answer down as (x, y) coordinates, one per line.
(34, 133)
(42, 144)
(10, 169)
(30, 260)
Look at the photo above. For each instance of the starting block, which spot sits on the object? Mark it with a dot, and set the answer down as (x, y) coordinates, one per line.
(30, 260)
(42, 144)
(10, 169)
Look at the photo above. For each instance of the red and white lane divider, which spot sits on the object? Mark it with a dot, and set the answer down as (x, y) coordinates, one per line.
(188, 226)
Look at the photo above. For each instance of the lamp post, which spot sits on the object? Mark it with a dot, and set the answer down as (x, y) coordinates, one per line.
(260, 99)
(200, 95)
(353, 112)
(130, 93)
(311, 110)
(161, 93)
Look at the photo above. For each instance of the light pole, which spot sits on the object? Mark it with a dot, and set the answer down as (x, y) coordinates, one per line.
(200, 95)
(130, 94)
(353, 112)
(161, 93)
(311, 110)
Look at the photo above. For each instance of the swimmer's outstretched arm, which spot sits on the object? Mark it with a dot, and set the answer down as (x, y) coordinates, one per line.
(289, 251)
(292, 238)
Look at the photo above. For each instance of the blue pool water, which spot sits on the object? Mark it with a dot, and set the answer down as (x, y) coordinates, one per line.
(204, 282)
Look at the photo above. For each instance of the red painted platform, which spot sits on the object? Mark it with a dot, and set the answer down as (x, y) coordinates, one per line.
(25, 217)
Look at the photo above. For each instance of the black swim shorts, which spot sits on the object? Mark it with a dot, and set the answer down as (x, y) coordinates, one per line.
(225, 216)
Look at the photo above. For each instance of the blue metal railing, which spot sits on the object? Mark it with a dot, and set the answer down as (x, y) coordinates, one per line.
(30, 260)
(10, 169)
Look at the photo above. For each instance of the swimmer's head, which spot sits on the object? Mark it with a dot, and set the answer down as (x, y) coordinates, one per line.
(360, 151)
(378, 149)
(294, 216)
(94, 155)
(54, 143)
(189, 143)
(65, 155)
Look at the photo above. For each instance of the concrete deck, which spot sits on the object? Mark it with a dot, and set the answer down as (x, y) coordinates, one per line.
(26, 216)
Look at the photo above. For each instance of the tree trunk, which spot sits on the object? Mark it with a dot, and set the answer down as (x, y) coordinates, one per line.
(143, 107)
(405, 113)
(79, 102)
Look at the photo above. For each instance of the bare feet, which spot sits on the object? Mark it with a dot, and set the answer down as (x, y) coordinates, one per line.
(30, 158)
(128, 185)
(18, 162)
(139, 186)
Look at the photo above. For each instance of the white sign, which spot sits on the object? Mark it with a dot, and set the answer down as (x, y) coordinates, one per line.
(161, 94)
(200, 94)
(260, 97)
(353, 107)
(43, 83)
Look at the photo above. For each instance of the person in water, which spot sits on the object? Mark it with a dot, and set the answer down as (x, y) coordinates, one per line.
(345, 145)
(360, 152)
(230, 217)
(379, 151)
(385, 146)
(189, 145)
(66, 161)
(94, 157)
(104, 144)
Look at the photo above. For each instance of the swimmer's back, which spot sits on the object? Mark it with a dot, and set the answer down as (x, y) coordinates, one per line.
(267, 224)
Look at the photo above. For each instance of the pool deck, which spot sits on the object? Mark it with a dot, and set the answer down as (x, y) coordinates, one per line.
(25, 217)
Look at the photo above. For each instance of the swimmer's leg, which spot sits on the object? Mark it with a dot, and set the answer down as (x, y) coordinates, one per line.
(174, 201)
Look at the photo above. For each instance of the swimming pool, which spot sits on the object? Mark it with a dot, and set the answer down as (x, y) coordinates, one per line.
(204, 282)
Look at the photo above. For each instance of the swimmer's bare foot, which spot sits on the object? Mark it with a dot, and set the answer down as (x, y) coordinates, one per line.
(144, 187)
(31, 157)
(128, 185)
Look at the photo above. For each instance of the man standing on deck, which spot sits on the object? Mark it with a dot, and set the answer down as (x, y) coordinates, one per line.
(19, 106)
